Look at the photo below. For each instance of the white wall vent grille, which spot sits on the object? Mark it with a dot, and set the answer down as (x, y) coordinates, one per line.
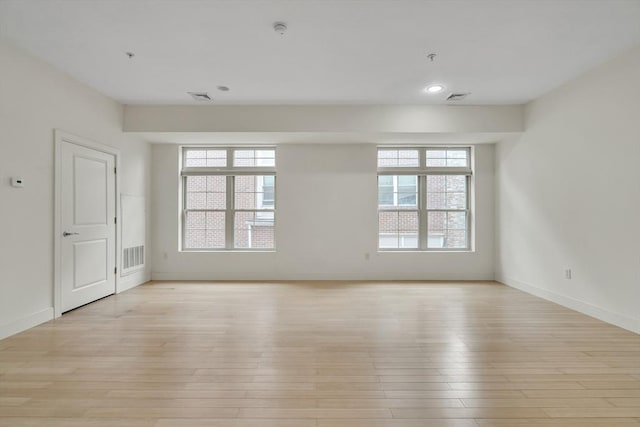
(133, 226)
(457, 96)
(132, 257)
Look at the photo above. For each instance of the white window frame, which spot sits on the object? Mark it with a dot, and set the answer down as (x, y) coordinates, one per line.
(422, 171)
(230, 172)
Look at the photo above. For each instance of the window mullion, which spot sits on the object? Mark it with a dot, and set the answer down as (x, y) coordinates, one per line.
(468, 206)
(230, 213)
(422, 212)
(184, 211)
(396, 202)
(230, 157)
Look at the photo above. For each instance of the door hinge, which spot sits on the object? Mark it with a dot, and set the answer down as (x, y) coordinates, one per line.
(115, 270)
(115, 219)
(115, 170)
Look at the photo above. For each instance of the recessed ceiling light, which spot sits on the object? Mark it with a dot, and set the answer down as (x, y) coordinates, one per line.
(223, 88)
(434, 88)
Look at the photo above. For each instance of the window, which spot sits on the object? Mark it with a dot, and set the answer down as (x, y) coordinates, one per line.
(228, 198)
(423, 198)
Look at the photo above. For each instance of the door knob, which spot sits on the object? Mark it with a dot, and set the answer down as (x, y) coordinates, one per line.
(65, 234)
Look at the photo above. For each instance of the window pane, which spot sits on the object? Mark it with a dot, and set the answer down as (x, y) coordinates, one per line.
(216, 158)
(450, 157)
(268, 192)
(385, 180)
(254, 158)
(216, 192)
(398, 191)
(254, 230)
(196, 200)
(204, 230)
(385, 190)
(446, 192)
(250, 192)
(196, 183)
(407, 191)
(447, 230)
(205, 158)
(407, 180)
(398, 158)
(397, 229)
(206, 192)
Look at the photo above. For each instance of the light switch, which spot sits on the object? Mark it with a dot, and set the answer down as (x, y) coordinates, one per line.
(17, 182)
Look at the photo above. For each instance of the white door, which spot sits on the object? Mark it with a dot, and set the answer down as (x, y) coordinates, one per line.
(88, 238)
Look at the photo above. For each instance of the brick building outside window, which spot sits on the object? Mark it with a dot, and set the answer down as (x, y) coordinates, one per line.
(423, 198)
(228, 198)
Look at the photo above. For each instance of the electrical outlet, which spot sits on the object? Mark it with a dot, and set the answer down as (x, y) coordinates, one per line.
(567, 273)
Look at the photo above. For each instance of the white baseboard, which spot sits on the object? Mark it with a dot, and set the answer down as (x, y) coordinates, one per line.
(132, 280)
(25, 323)
(211, 276)
(625, 322)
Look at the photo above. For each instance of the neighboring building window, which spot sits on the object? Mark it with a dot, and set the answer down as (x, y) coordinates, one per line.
(228, 198)
(423, 198)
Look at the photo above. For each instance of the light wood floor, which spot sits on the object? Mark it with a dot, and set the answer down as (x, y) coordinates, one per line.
(321, 355)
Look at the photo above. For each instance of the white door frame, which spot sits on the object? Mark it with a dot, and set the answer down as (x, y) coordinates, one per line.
(60, 137)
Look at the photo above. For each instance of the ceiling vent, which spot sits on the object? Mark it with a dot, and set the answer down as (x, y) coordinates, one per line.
(201, 96)
(457, 96)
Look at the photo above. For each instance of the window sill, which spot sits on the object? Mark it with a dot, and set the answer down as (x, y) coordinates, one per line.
(226, 251)
(426, 251)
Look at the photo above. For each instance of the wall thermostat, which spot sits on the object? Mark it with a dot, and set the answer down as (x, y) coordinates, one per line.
(17, 182)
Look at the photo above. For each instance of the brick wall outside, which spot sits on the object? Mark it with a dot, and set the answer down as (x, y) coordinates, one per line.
(207, 229)
(443, 192)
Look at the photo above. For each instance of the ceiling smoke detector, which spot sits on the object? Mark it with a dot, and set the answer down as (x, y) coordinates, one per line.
(280, 27)
(457, 96)
(201, 96)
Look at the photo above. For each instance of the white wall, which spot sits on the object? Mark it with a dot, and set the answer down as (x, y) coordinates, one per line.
(568, 196)
(35, 99)
(326, 223)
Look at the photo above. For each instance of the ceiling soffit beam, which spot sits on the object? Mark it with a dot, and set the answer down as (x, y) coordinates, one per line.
(292, 118)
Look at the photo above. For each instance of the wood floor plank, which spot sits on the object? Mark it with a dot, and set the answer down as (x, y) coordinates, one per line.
(537, 403)
(138, 412)
(12, 401)
(209, 422)
(581, 393)
(397, 423)
(314, 413)
(565, 422)
(389, 403)
(593, 412)
(74, 422)
(457, 413)
(625, 402)
(170, 403)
